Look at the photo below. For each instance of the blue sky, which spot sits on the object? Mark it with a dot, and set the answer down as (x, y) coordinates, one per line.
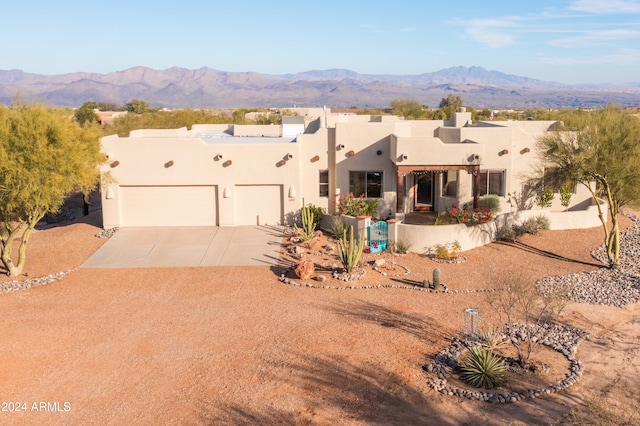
(570, 41)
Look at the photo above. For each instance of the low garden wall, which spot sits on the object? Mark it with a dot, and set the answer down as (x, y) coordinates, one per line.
(420, 238)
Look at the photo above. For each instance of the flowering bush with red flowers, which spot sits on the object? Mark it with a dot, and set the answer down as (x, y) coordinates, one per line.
(467, 215)
(352, 206)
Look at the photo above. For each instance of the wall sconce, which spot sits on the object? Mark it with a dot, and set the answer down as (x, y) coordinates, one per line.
(281, 163)
(292, 192)
(109, 194)
(288, 157)
(168, 164)
(226, 163)
(339, 147)
(226, 192)
(503, 152)
(525, 150)
(315, 158)
(115, 164)
(218, 157)
(351, 153)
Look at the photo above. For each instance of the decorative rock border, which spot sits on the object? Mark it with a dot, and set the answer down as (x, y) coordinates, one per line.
(11, 286)
(563, 339)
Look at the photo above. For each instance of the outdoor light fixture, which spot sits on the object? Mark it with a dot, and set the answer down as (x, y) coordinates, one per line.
(109, 194)
(168, 164)
(288, 157)
(226, 193)
(525, 150)
(226, 163)
(292, 192)
(281, 163)
(339, 147)
(218, 157)
(115, 164)
(351, 153)
(315, 158)
(503, 152)
(404, 157)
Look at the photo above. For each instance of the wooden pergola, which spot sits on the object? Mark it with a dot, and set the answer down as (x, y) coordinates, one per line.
(405, 170)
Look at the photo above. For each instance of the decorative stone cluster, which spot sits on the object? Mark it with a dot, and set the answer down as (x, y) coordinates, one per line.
(11, 286)
(107, 233)
(612, 287)
(563, 339)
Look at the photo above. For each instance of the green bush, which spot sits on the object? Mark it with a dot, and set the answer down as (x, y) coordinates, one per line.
(482, 368)
(491, 202)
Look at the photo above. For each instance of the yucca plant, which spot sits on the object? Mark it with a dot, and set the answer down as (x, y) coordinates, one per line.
(482, 368)
(350, 251)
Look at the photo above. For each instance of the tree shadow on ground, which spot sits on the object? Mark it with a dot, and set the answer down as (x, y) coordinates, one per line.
(420, 326)
(545, 253)
(334, 390)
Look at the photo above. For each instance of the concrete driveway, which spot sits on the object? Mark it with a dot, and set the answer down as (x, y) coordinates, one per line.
(150, 247)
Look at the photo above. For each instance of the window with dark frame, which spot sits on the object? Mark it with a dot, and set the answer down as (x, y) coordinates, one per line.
(324, 183)
(492, 182)
(366, 184)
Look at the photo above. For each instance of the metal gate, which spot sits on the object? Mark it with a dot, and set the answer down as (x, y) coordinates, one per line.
(377, 236)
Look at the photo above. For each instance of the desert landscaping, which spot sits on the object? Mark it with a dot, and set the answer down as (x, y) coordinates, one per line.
(244, 345)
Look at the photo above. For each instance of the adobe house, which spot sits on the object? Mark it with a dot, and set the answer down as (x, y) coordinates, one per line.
(226, 175)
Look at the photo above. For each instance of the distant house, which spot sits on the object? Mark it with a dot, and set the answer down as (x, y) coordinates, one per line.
(225, 175)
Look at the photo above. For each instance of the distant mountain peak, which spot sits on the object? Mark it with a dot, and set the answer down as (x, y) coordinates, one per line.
(178, 87)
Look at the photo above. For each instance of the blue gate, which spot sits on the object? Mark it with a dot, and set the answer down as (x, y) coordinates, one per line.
(377, 236)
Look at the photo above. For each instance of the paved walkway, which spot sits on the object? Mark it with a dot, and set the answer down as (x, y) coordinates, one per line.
(189, 246)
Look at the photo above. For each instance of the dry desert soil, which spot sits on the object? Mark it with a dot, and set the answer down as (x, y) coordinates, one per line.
(235, 345)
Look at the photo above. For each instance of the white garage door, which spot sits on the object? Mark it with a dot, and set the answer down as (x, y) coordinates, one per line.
(259, 204)
(168, 205)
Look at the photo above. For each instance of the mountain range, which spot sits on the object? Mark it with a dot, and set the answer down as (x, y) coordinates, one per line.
(339, 88)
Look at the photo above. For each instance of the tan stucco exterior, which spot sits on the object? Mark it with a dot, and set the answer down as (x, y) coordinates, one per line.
(258, 176)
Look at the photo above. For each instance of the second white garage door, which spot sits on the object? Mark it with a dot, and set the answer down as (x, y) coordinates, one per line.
(259, 204)
(168, 205)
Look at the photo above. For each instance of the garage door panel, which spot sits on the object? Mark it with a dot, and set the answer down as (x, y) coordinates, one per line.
(259, 204)
(168, 205)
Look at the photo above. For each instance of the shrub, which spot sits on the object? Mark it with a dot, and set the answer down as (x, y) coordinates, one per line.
(544, 198)
(446, 251)
(352, 206)
(402, 247)
(482, 368)
(536, 224)
(350, 251)
(491, 202)
(467, 215)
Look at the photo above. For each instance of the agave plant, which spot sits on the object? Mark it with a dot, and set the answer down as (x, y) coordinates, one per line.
(482, 368)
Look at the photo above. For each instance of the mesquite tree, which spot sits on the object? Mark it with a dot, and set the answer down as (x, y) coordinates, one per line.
(601, 147)
(44, 157)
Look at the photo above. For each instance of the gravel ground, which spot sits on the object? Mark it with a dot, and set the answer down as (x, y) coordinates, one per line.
(232, 345)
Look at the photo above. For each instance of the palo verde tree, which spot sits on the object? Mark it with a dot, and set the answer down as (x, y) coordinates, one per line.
(601, 147)
(44, 156)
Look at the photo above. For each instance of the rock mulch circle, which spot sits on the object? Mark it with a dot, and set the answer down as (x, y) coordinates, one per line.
(564, 339)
